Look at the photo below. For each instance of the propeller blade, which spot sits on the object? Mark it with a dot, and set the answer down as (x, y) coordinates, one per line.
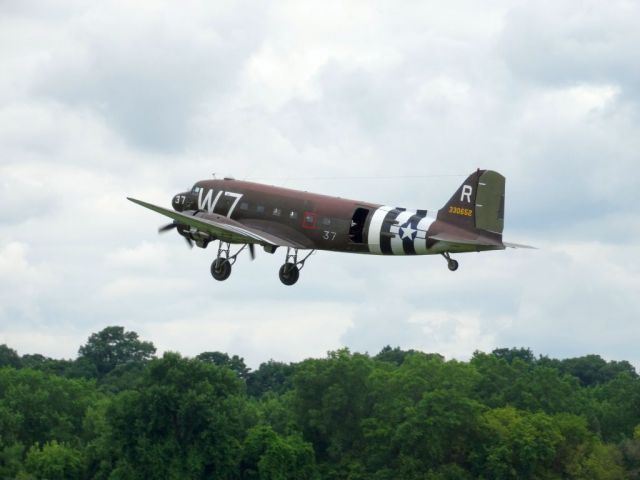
(189, 242)
(167, 227)
(252, 251)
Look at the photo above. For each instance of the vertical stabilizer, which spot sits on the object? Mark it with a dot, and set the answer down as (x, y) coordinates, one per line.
(478, 204)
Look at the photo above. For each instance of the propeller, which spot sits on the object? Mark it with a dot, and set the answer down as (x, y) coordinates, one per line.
(252, 251)
(171, 226)
(167, 227)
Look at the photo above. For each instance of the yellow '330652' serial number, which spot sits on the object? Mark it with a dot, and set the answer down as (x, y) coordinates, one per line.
(467, 212)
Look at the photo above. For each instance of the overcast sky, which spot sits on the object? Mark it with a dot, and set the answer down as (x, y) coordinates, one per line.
(100, 100)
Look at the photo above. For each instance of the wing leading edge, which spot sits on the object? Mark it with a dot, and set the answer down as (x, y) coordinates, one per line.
(220, 227)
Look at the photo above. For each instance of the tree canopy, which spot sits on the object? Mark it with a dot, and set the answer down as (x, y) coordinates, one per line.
(118, 412)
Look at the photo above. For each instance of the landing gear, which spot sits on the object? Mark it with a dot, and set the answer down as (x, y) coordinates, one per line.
(290, 271)
(221, 269)
(451, 263)
(221, 266)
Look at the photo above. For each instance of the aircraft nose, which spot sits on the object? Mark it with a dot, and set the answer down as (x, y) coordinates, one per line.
(179, 202)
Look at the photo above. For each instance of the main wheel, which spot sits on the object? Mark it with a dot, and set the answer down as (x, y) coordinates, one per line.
(453, 265)
(289, 273)
(220, 269)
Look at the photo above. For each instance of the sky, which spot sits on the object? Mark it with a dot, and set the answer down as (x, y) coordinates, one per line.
(103, 100)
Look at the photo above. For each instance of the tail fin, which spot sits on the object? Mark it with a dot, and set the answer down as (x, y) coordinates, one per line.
(478, 203)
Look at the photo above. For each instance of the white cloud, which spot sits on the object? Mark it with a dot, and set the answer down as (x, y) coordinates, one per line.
(21, 283)
(98, 103)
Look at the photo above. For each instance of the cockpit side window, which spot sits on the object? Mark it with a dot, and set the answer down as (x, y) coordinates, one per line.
(195, 189)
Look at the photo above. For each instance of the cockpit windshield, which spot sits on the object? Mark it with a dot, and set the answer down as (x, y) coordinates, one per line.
(195, 189)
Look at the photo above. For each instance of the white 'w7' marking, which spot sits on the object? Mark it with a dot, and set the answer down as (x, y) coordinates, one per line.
(206, 201)
(209, 203)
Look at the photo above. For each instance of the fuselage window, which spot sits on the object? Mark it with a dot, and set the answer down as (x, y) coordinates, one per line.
(309, 219)
(293, 215)
(244, 206)
(326, 222)
(277, 212)
(260, 209)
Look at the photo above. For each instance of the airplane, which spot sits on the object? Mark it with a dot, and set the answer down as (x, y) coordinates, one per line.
(231, 211)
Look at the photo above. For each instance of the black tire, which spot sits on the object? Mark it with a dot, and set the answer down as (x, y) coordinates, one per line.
(453, 265)
(289, 273)
(220, 269)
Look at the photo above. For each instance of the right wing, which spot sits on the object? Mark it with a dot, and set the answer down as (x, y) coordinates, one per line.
(221, 228)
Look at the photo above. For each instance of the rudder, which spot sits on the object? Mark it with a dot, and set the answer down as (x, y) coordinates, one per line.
(490, 202)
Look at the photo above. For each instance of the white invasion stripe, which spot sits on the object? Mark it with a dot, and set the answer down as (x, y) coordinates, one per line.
(420, 243)
(375, 226)
(396, 242)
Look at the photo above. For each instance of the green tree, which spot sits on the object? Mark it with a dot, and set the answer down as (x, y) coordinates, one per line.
(54, 461)
(510, 354)
(11, 457)
(9, 357)
(269, 456)
(593, 370)
(619, 407)
(518, 444)
(234, 363)
(186, 419)
(331, 400)
(79, 368)
(36, 407)
(270, 376)
(113, 346)
(527, 386)
(393, 355)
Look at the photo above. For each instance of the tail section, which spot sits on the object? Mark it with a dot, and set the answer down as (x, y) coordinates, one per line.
(478, 204)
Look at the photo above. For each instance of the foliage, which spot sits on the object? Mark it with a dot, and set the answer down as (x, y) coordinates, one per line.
(271, 376)
(38, 407)
(113, 346)
(234, 363)
(269, 456)
(115, 412)
(9, 357)
(185, 418)
(54, 461)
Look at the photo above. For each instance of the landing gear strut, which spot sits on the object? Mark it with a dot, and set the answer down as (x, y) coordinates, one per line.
(290, 271)
(451, 263)
(221, 266)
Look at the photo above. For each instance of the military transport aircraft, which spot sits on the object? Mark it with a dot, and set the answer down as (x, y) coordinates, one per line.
(246, 213)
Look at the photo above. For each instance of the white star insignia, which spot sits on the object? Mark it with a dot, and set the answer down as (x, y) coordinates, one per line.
(407, 231)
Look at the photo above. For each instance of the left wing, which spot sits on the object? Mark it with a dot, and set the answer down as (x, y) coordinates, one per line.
(220, 227)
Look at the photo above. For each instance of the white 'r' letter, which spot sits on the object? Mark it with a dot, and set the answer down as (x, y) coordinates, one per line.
(466, 192)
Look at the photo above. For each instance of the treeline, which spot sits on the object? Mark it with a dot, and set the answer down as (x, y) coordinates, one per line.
(118, 412)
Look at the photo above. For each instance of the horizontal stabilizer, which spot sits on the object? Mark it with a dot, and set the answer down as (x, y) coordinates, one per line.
(443, 237)
(518, 245)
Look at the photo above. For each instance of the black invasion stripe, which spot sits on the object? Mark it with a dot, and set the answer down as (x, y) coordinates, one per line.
(421, 213)
(385, 240)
